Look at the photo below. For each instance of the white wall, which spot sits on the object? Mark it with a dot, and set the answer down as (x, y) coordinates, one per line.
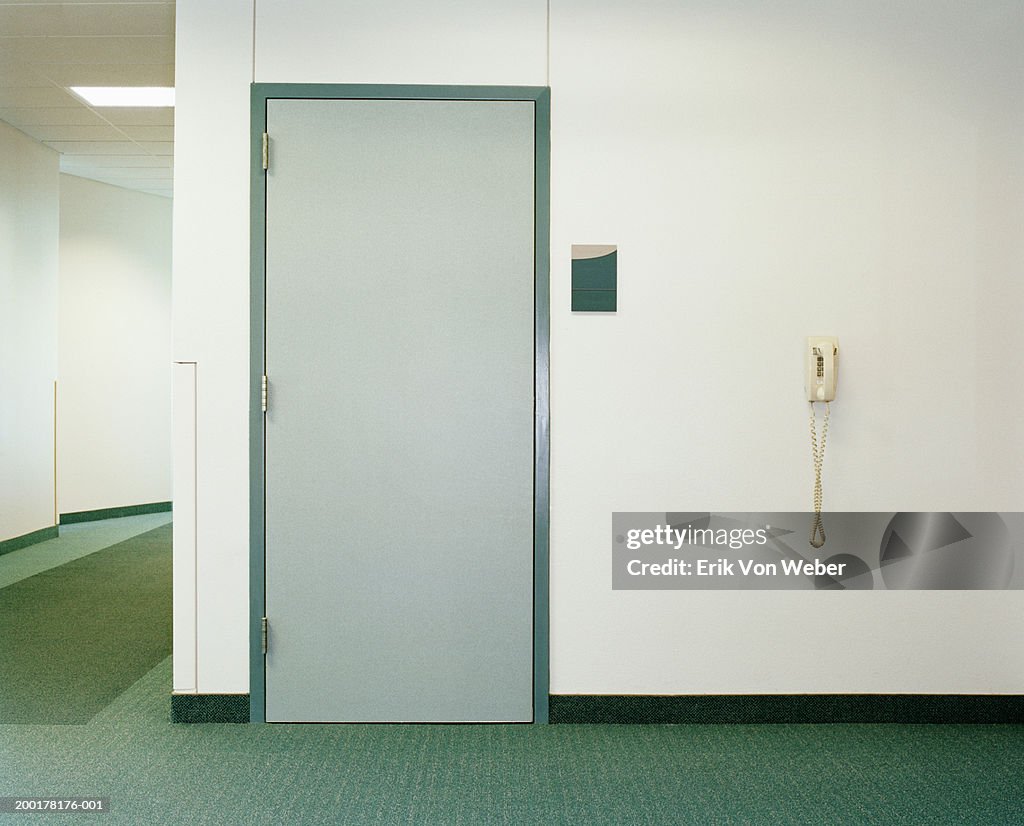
(210, 312)
(401, 41)
(114, 382)
(28, 332)
(768, 172)
(772, 172)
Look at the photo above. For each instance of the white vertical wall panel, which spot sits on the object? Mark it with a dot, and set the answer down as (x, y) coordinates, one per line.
(401, 41)
(29, 218)
(185, 474)
(210, 306)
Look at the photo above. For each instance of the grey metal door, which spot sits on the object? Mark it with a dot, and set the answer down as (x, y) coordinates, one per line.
(399, 436)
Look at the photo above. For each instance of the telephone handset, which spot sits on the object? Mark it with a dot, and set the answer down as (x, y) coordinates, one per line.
(821, 374)
(822, 368)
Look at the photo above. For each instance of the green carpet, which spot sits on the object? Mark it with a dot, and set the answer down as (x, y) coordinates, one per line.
(77, 635)
(155, 772)
(75, 541)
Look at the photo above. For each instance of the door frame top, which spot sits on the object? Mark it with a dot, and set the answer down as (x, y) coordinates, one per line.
(541, 97)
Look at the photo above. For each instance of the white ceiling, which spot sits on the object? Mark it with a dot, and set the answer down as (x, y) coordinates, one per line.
(46, 46)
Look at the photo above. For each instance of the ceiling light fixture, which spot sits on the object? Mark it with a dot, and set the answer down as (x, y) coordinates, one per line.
(126, 95)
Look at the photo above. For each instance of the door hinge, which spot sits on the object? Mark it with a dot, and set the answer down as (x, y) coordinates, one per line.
(263, 634)
(266, 151)
(263, 394)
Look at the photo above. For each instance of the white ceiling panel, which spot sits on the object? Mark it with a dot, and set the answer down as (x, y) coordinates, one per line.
(49, 45)
(142, 116)
(69, 132)
(68, 116)
(83, 19)
(149, 133)
(13, 73)
(69, 161)
(88, 148)
(72, 2)
(135, 173)
(107, 74)
(112, 147)
(16, 97)
(120, 50)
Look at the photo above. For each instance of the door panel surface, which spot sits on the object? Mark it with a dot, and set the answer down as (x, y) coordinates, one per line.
(399, 436)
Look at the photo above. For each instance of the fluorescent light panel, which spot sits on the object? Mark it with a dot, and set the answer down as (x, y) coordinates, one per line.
(126, 95)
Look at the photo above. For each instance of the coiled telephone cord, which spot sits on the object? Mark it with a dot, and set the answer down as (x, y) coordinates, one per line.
(818, 527)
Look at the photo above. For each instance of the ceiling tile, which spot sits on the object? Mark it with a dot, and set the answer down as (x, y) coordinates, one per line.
(149, 133)
(133, 173)
(76, 162)
(14, 73)
(130, 50)
(113, 147)
(43, 97)
(71, 115)
(70, 161)
(72, 2)
(158, 148)
(67, 132)
(141, 116)
(71, 19)
(107, 74)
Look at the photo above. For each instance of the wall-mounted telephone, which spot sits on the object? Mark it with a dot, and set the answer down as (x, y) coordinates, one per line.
(820, 375)
(822, 368)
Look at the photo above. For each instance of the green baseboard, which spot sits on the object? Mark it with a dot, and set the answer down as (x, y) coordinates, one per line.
(706, 709)
(114, 513)
(209, 708)
(23, 541)
(789, 708)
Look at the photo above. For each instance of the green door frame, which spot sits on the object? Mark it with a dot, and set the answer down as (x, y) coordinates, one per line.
(541, 98)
